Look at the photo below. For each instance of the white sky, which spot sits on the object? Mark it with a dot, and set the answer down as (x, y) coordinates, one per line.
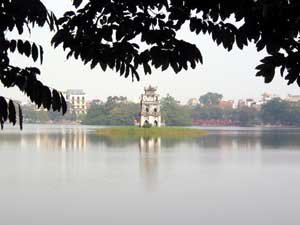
(231, 74)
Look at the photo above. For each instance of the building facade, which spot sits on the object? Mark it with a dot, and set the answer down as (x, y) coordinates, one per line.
(193, 102)
(150, 108)
(77, 98)
(293, 98)
(226, 104)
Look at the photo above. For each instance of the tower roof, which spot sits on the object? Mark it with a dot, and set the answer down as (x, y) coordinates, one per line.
(150, 88)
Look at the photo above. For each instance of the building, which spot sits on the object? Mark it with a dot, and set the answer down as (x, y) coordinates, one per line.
(241, 103)
(193, 102)
(265, 97)
(77, 98)
(293, 98)
(250, 102)
(150, 108)
(93, 102)
(226, 104)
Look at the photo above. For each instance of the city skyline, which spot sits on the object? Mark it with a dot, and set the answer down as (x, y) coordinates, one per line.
(190, 101)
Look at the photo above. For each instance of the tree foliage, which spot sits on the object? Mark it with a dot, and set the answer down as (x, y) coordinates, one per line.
(115, 111)
(21, 15)
(280, 112)
(207, 112)
(174, 114)
(245, 116)
(108, 33)
(32, 115)
(210, 99)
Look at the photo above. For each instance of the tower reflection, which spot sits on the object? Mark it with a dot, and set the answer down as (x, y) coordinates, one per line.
(150, 149)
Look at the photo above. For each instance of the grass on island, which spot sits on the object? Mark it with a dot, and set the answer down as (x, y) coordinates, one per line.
(151, 132)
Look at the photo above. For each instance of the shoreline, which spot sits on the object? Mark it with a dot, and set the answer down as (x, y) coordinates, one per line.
(208, 126)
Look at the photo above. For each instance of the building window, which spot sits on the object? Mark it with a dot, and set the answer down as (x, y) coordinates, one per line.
(147, 109)
(155, 110)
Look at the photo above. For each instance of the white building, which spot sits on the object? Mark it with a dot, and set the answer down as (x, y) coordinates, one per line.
(265, 97)
(293, 98)
(193, 102)
(150, 108)
(77, 98)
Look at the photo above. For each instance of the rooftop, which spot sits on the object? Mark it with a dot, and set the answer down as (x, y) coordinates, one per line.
(75, 92)
(150, 88)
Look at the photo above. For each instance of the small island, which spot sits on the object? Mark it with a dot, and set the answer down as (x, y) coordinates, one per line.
(150, 123)
(151, 132)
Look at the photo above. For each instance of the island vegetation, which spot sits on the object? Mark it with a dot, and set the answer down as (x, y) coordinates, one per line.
(132, 131)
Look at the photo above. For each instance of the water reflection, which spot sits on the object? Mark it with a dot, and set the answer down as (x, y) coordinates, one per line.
(74, 140)
(149, 149)
(62, 139)
(150, 145)
(83, 139)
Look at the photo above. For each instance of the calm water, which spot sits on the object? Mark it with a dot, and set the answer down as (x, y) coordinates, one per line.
(52, 175)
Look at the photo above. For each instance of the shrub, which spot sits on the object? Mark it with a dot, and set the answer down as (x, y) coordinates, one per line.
(147, 125)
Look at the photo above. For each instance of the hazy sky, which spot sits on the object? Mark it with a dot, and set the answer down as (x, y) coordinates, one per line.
(230, 73)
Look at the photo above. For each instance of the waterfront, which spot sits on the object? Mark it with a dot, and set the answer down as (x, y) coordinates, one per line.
(69, 175)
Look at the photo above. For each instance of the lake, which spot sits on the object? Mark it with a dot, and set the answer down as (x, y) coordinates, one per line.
(68, 175)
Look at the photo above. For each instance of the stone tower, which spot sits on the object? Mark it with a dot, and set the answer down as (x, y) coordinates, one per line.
(150, 108)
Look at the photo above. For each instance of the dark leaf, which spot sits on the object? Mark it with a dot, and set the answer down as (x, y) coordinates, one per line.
(41, 54)
(3, 109)
(27, 48)
(77, 3)
(59, 38)
(20, 118)
(269, 76)
(94, 63)
(298, 81)
(282, 70)
(122, 69)
(127, 71)
(20, 46)
(292, 76)
(35, 52)
(12, 45)
(103, 65)
(12, 112)
(63, 104)
(147, 68)
(46, 96)
(56, 100)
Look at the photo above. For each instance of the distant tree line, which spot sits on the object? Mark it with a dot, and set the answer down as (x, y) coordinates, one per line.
(117, 110)
(274, 112)
(32, 115)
